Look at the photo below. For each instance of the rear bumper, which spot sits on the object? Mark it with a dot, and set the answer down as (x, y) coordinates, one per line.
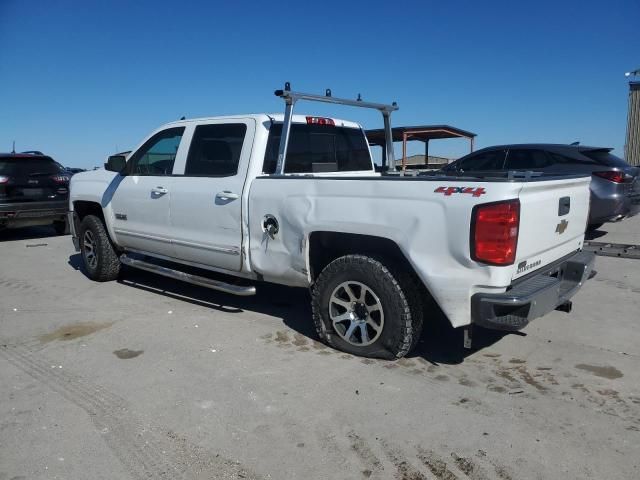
(32, 213)
(534, 296)
(610, 208)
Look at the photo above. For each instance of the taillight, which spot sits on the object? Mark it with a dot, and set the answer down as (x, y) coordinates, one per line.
(320, 121)
(613, 176)
(3, 179)
(60, 178)
(494, 232)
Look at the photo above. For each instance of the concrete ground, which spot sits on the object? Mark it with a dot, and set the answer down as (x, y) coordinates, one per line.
(150, 378)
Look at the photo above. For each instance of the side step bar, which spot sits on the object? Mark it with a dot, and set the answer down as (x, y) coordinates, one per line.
(187, 277)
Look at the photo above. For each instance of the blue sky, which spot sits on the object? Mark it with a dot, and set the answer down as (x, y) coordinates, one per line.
(79, 79)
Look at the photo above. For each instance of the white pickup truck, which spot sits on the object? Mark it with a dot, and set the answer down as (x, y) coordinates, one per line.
(307, 208)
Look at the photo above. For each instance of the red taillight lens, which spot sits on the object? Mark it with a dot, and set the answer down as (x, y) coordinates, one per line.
(320, 121)
(60, 178)
(494, 232)
(3, 179)
(616, 177)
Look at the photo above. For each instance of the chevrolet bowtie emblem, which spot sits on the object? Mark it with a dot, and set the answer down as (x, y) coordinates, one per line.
(561, 227)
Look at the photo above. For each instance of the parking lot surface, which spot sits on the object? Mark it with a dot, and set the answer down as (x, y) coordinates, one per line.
(151, 378)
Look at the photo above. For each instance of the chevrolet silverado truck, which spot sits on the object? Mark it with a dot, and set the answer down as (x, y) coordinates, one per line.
(296, 200)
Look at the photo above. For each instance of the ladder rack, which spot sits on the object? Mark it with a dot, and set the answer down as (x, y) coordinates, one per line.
(290, 98)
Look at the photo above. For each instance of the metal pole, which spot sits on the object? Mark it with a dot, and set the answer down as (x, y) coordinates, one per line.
(284, 136)
(632, 143)
(388, 141)
(426, 152)
(404, 152)
(472, 143)
(291, 98)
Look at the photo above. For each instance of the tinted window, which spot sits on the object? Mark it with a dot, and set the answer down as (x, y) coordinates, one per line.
(157, 155)
(29, 166)
(215, 150)
(492, 160)
(527, 160)
(319, 148)
(603, 157)
(576, 159)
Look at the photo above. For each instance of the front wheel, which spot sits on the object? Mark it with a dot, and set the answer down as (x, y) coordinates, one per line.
(100, 258)
(361, 308)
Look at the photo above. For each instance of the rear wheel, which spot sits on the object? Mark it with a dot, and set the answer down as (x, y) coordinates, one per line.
(100, 258)
(360, 307)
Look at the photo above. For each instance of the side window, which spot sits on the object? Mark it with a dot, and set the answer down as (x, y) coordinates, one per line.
(492, 160)
(157, 155)
(527, 160)
(567, 160)
(215, 150)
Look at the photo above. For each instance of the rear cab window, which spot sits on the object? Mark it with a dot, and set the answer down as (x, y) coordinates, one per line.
(319, 149)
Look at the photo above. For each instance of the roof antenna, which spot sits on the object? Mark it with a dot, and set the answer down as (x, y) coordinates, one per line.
(575, 143)
(14, 148)
(183, 117)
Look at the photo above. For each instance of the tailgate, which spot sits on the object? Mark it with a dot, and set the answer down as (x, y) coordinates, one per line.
(553, 218)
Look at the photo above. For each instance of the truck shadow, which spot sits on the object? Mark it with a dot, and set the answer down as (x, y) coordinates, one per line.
(439, 344)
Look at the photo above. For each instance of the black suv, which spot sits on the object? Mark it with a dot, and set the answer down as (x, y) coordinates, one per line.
(34, 190)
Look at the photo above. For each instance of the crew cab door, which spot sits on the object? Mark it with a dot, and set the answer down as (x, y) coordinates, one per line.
(140, 202)
(206, 198)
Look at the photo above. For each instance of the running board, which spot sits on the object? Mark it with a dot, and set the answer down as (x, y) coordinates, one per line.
(189, 278)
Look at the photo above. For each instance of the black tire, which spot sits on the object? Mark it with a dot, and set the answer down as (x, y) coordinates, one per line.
(60, 227)
(106, 264)
(398, 299)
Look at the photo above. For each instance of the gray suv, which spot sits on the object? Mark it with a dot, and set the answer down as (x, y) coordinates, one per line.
(615, 185)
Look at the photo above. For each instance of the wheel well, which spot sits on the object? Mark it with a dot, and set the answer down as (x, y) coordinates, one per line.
(84, 208)
(324, 247)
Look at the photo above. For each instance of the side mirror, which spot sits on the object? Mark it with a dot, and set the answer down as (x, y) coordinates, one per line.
(116, 163)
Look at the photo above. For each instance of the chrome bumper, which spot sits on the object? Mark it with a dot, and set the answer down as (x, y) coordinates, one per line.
(534, 296)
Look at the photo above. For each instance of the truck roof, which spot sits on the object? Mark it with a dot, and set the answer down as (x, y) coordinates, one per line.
(263, 117)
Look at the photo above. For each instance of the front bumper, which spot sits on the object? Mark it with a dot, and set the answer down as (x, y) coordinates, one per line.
(533, 296)
(32, 213)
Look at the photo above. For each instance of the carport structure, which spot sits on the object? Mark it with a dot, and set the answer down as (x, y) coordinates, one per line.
(422, 133)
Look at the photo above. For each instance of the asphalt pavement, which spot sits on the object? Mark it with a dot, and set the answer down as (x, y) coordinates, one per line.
(150, 378)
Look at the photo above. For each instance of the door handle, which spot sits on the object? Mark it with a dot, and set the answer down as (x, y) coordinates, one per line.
(226, 195)
(159, 190)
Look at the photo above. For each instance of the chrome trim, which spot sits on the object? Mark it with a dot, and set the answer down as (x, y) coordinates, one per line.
(141, 235)
(213, 248)
(183, 243)
(239, 290)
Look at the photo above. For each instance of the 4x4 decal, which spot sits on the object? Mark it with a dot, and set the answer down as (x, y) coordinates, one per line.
(448, 191)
